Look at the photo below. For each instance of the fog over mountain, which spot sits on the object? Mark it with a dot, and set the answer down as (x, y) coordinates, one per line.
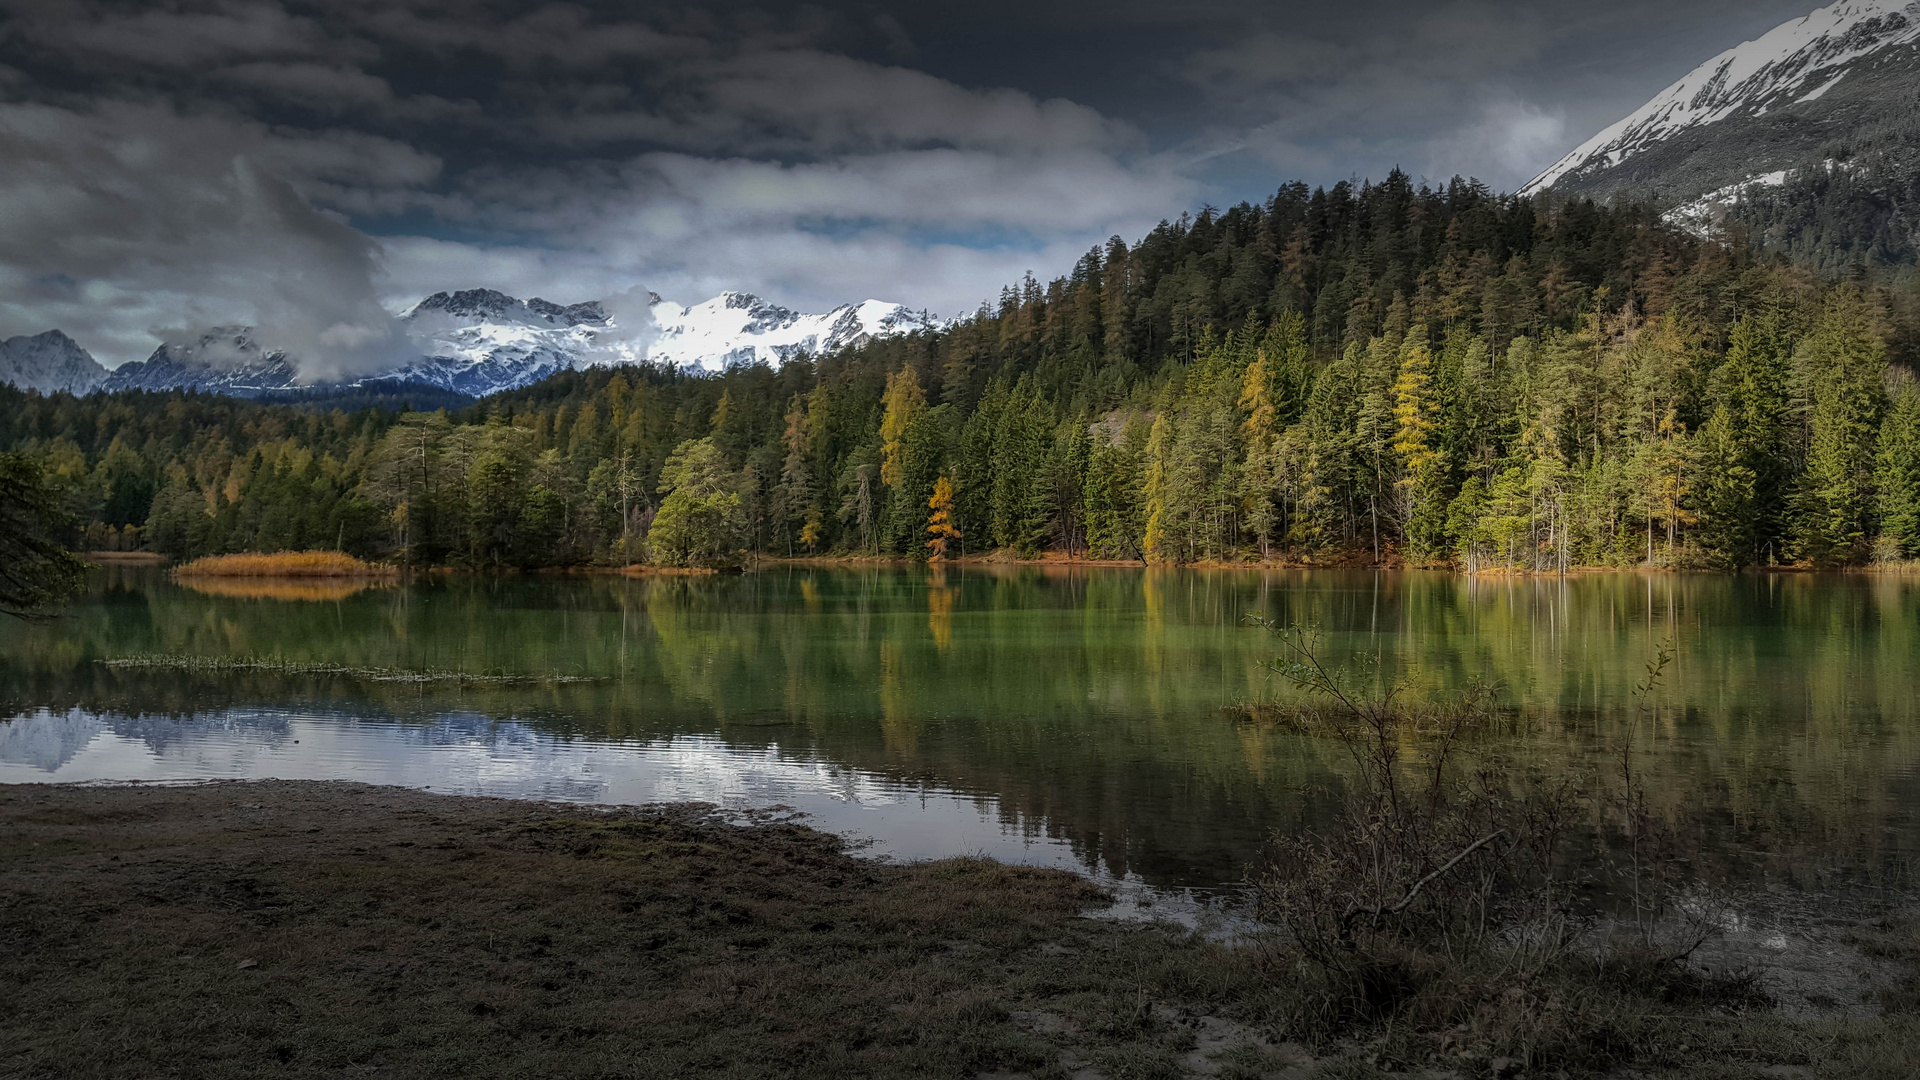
(310, 170)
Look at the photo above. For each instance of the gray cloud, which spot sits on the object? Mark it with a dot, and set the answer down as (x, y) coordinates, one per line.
(139, 224)
(305, 166)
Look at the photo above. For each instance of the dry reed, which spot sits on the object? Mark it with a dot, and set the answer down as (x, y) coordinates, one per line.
(285, 564)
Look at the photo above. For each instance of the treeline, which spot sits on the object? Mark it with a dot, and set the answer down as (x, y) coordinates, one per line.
(1373, 373)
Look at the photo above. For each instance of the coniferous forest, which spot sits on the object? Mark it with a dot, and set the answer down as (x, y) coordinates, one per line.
(1373, 373)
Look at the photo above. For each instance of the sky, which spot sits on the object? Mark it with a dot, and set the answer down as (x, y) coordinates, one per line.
(312, 168)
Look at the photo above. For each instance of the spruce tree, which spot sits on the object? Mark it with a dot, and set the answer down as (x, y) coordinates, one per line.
(1751, 384)
(1898, 475)
(1418, 488)
(1843, 361)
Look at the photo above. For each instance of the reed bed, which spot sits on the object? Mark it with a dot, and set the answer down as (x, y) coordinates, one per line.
(286, 564)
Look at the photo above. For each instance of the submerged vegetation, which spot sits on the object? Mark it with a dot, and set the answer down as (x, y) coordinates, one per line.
(277, 665)
(1379, 373)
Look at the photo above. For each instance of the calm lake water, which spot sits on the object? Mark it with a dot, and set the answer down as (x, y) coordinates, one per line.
(1069, 717)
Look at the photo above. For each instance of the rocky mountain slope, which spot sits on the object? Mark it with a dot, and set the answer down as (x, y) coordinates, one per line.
(477, 342)
(49, 362)
(1834, 93)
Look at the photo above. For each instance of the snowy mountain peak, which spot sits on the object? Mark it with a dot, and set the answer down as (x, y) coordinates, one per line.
(739, 328)
(482, 341)
(477, 305)
(1794, 65)
(49, 362)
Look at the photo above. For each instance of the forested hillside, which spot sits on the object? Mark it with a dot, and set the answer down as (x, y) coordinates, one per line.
(1370, 373)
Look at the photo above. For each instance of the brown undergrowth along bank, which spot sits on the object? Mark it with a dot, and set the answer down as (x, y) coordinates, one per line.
(293, 929)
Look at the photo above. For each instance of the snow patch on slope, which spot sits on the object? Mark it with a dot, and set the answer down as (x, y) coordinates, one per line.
(1702, 215)
(1750, 78)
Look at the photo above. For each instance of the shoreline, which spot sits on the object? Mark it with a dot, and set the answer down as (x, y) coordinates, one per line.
(1050, 560)
(303, 928)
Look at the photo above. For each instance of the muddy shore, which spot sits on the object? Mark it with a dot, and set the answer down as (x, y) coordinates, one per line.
(293, 929)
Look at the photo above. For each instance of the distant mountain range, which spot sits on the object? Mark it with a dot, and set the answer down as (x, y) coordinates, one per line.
(476, 342)
(1809, 136)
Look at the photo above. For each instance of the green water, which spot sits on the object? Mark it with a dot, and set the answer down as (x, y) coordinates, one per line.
(1087, 706)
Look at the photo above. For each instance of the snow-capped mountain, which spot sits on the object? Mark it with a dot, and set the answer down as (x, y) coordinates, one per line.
(479, 341)
(740, 328)
(224, 360)
(1769, 106)
(49, 362)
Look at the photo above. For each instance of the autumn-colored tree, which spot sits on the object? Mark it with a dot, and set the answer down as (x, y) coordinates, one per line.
(940, 522)
(904, 400)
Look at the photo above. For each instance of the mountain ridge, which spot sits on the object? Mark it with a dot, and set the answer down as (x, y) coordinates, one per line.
(476, 342)
(1833, 90)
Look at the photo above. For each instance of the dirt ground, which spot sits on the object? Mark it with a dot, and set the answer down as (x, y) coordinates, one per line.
(299, 929)
(294, 929)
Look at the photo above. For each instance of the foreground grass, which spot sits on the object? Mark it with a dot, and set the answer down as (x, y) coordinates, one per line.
(291, 929)
(284, 564)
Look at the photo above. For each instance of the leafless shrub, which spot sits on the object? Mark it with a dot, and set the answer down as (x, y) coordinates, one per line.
(1435, 910)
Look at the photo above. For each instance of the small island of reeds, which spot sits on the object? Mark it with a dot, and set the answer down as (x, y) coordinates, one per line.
(285, 575)
(286, 564)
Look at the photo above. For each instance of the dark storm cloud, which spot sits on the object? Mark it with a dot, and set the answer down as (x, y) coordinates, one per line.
(299, 165)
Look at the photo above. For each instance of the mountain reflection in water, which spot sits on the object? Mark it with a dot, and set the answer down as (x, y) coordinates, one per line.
(1052, 715)
(471, 754)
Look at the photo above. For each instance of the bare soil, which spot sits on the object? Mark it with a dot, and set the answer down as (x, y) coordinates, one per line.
(297, 929)
(306, 929)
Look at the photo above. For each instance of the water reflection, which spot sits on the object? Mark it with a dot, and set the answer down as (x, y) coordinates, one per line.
(280, 588)
(1075, 710)
(471, 754)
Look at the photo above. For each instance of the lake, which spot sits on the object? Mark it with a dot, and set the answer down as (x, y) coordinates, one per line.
(1080, 717)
